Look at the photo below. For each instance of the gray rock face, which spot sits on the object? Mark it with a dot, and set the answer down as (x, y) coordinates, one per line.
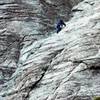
(64, 66)
(21, 23)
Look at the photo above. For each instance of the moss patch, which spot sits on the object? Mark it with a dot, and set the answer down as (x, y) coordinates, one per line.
(96, 98)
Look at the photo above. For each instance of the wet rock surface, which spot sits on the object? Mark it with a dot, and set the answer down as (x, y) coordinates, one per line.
(63, 66)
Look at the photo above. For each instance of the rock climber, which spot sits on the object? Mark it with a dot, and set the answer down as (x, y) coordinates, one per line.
(60, 25)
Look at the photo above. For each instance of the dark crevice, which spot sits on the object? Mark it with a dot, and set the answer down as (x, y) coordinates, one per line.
(94, 68)
(92, 3)
(7, 3)
(76, 10)
(30, 88)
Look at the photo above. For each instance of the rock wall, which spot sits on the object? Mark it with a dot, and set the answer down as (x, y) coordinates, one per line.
(21, 23)
(63, 66)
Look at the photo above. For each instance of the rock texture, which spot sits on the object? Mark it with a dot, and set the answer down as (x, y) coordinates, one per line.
(64, 66)
(21, 23)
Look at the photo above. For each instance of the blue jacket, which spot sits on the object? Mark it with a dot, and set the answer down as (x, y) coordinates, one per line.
(59, 25)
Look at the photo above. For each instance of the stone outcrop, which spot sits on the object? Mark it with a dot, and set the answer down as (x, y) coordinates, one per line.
(21, 23)
(63, 66)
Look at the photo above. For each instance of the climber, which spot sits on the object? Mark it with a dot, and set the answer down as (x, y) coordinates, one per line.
(60, 25)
